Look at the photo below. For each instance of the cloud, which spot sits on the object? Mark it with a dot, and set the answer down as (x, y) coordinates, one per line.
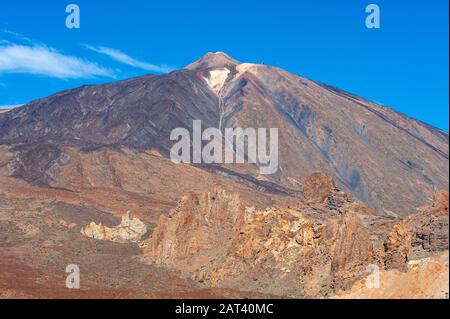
(119, 56)
(42, 60)
(17, 35)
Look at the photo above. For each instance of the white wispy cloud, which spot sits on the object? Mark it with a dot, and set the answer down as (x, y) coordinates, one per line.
(17, 35)
(43, 60)
(122, 57)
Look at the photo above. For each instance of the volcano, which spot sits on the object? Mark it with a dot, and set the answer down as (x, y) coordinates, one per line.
(108, 136)
(87, 179)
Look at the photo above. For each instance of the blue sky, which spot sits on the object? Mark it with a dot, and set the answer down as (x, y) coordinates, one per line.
(404, 64)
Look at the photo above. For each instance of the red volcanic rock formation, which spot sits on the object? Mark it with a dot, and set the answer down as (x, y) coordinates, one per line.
(320, 189)
(201, 229)
(317, 188)
(351, 248)
(216, 240)
(419, 235)
(427, 278)
(317, 249)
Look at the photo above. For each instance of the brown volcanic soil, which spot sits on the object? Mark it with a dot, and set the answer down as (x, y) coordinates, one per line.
(19, 281)
(329, 245)
(38, 242)
(40, 227)
(117, 181)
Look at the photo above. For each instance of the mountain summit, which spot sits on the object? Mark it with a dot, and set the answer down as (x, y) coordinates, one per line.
(389, 161)
(213, 60)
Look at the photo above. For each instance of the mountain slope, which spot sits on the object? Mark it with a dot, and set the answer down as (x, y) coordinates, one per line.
(386, 159)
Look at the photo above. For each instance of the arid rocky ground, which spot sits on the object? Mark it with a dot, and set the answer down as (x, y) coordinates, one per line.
(211, 244)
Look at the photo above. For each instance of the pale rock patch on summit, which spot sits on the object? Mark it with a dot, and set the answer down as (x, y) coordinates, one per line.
(244, 67)
(217, 78)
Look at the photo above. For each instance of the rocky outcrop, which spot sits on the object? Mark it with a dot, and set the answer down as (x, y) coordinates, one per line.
(215, 239)
(424, 278)
(419, 235)
(320, 189)
(130, 230)
(201, 230)
(317, 188)
(351, 248)
(397, 247)
(316, 249)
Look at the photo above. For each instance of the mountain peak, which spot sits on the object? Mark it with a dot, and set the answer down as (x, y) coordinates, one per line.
(213, 60)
